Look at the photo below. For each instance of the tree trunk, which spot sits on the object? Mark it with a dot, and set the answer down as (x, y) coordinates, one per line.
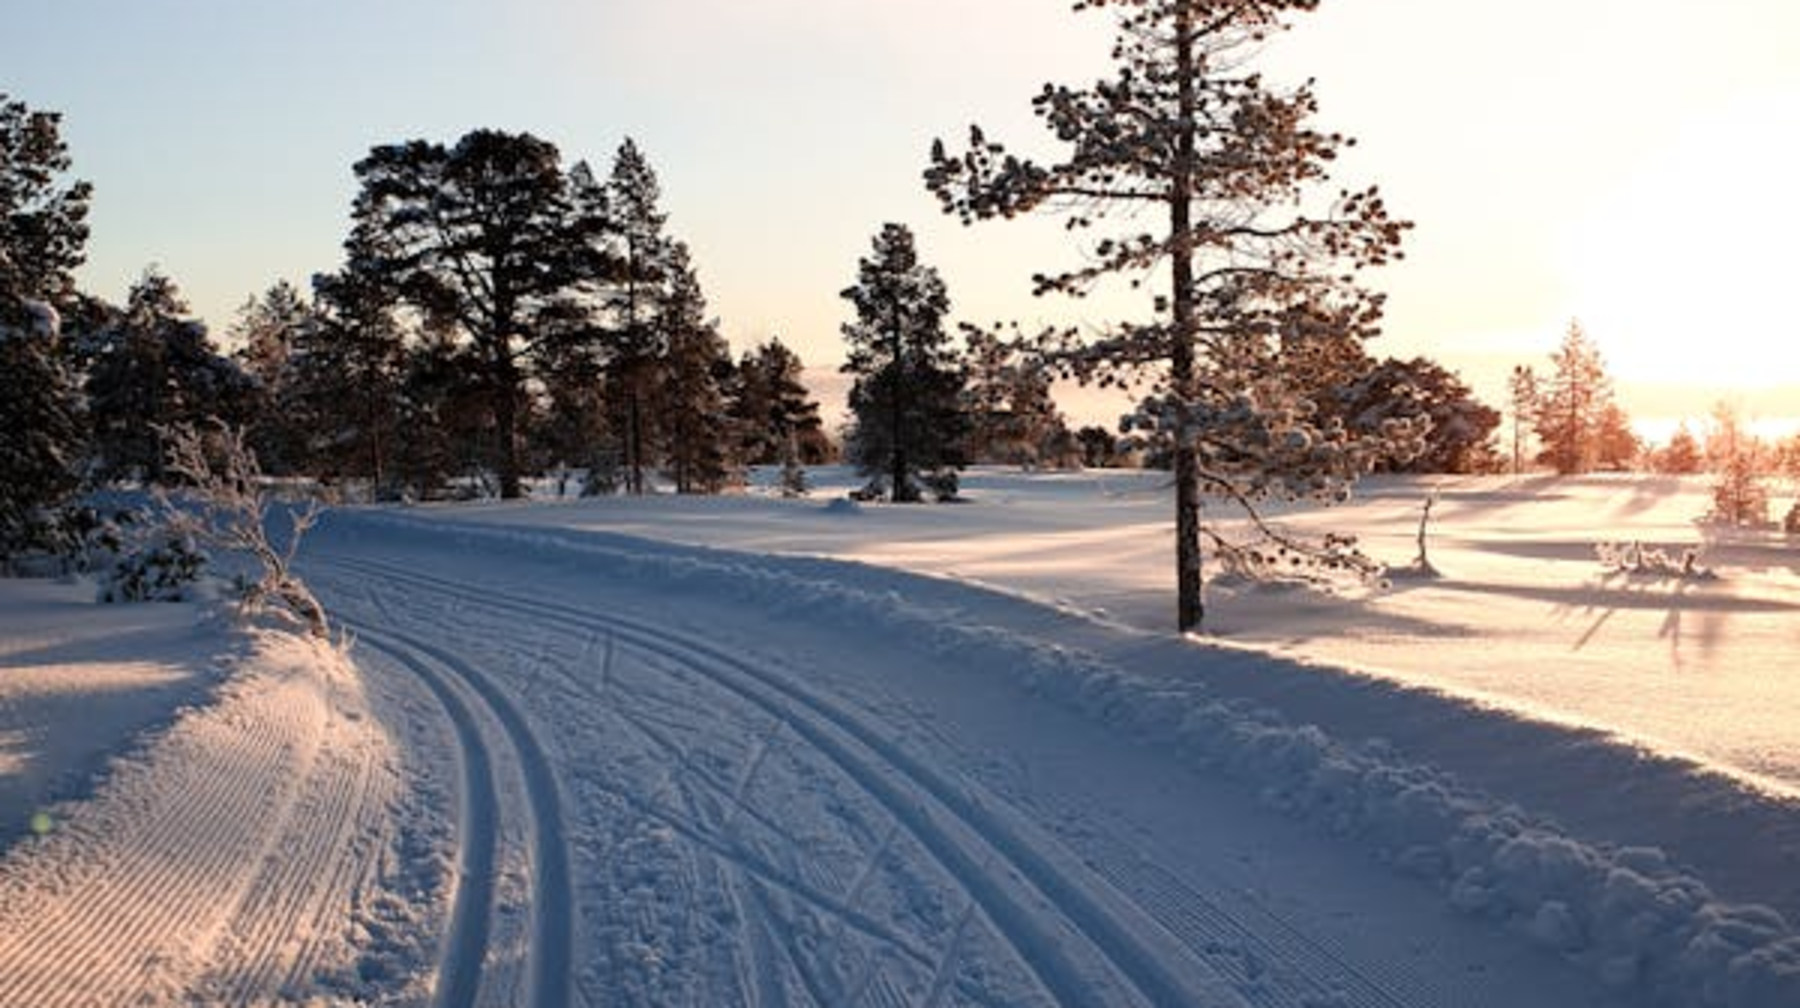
(1190, 603)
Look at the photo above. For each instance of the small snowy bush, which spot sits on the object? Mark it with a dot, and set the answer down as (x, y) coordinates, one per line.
(1635, 558)
(165, 565)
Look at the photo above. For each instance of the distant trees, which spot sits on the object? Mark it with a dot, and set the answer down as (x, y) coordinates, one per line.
(1522, 390)
(1458, 428)
(1736, 458)
(1257, 289)
(1012, 417)
(1682, 455)
(774, 412)
(1573, 413)
(907, 396)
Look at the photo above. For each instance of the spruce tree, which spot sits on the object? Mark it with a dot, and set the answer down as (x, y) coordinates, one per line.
(908, 381)
(1258, 274)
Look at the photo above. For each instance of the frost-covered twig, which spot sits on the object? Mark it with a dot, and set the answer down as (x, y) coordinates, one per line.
(227, 484)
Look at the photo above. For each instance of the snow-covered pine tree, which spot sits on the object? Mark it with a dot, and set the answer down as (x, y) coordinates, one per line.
(701, 446)
(1255, 281)
(907, 395)
(40, 430)
(43, 230)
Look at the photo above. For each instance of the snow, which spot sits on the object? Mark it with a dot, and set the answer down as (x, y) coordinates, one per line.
(751, 749)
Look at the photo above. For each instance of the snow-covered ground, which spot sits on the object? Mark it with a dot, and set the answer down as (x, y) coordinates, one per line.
(756, 751)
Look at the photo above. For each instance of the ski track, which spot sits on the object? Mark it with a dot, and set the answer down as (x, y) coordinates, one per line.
(1124, 929)
(467, 945)
(217, 868)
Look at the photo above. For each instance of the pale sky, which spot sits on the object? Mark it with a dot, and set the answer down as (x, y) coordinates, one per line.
(1627, 162)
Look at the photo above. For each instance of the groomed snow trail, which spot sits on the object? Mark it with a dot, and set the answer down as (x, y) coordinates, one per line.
(222, 864)
(760, 808)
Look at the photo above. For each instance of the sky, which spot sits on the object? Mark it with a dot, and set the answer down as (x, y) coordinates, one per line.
(1623, 162)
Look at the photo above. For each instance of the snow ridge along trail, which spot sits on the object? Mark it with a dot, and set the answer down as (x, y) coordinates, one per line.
(222, 864)
(786, 827)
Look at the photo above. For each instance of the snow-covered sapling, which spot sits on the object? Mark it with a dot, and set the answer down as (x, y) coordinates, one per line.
(229, 510)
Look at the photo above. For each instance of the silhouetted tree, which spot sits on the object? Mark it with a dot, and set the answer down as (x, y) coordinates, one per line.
(267, 332)
(909, 383)
(43, 230)
(637, 306)
(774, 411)
(153, 368)
(1012, 416)
(1255, 283)
(702, 448)
(481, 238)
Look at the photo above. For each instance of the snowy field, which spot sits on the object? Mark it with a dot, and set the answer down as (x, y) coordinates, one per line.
(748, 750)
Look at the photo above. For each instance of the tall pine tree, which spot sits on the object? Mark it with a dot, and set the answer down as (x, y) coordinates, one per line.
(482, 238)
(43, 230)
(1252, 282)
(702, 456)
(908, 389)
(637, 305)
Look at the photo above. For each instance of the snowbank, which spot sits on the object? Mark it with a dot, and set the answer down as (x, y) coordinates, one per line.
(1639, 921)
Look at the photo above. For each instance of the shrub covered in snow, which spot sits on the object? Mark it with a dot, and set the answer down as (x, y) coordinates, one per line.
(165, 564)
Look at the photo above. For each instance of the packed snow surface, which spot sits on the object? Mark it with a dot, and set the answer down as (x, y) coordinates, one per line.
(749, 750)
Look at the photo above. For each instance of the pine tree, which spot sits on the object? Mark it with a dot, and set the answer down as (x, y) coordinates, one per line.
(1458, 427)
(773, 409)
(1255, 283)
(640, 288)
(481, 238)
(40, 429)
(1681, 456)
(701, 450)
(908, 381)
(1522, 386)
(156, 367)
(1736, 458)
(345, 371)
(1013, 418)
(43, 230)
(1572, 404)
(43, 219)
(267, 332)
